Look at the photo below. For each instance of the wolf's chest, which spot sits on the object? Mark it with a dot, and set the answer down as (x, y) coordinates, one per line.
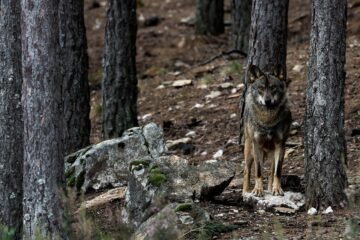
(266, 139)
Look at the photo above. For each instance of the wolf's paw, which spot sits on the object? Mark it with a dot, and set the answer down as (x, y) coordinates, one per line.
(258, 192)
(277, 191)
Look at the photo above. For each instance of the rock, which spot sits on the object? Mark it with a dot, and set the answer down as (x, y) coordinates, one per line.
(312, 211)
(218, 154)
(198, 105)
(161, 86)
(182, 83)
(213, 94)
(146, 116)
(109, 196)
(190, 20)
(298, 68)
(240, 86)
(328, 210)
(106, 164)
(269, 202)
(177, 144)
(226, 85)
(284, 210)
(172, 222)
(174, 179)
(233, 115)
(191, 134)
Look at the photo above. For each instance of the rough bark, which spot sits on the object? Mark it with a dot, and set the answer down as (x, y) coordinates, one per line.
(11, 125)
(74, 63)
(241, 20)
(209, 17)
(325, 149)
(120, 81)
(268, 36)
(43, 120)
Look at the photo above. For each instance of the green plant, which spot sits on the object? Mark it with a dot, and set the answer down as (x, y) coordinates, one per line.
(183, 207)
(7, 233)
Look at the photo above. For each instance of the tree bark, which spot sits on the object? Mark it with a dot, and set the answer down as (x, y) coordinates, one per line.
(43, 120)
(209, 17)
(324, 140)
(241, 20)
(11, 125)
(74, 63)
(120, 81)
(268, 36)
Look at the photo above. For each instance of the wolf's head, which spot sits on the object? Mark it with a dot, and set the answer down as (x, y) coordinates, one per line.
(268, 89)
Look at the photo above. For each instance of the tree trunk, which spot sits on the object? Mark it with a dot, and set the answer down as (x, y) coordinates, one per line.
(241, 20)
(268, 36)
(43, 120)
(325, 149)
(11, 125)
(120, 81)
(209, 17)
(74, 62)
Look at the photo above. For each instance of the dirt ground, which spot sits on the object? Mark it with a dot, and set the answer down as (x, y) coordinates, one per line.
(170, 51)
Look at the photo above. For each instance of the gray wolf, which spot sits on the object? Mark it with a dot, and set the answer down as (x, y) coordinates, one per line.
(267, 119)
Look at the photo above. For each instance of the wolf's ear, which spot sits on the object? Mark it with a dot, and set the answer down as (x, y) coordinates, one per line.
(255, 73)
(279, 73)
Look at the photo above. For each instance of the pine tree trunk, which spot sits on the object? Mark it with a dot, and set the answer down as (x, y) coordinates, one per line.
(241, 20)
(120, 81)
(11, 125)
(267, 45)
(325, 149)
(75, 74)
(209, 17)
(43, 120)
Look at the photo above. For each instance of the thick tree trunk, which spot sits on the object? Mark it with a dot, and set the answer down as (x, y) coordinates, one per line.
(268, 36)
(11, 125)
(43, 120)
(120, 81)
(325, 149)
(74, 62)
(209, 17)
(241, 20)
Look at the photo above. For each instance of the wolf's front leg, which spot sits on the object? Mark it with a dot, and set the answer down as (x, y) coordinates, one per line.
(248, 157)
(259, 170)
(279, 157)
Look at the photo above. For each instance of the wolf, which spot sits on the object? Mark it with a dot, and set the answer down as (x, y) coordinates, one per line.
(267, 119)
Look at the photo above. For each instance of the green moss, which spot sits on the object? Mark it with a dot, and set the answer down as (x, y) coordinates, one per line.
(157, 178)
(183, 207)
(71, 181)
(138, 162)
(215, 227)
(80, 180)
(69, 172)
(7, 233)
(156, 171)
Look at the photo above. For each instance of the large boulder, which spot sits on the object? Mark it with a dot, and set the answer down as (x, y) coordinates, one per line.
(171, 179)
(172, 222)
(106, 164)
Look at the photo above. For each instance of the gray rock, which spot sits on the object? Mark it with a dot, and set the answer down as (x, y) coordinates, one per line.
(106, 164)
(172, 222)
(269, 202)
(173, 179)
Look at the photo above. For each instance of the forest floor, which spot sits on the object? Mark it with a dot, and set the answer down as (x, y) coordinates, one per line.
(170, 51)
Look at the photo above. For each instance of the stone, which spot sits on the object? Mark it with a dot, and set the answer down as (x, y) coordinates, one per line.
(312, 211)
(213, 94)
(328, 210)
(290, 200)
(170, 223)
(218, 154)
(174, 179)
(298, 68)
(284, 210)
(106, 164)
(182, 83)
(177, 144)
(226, 85)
